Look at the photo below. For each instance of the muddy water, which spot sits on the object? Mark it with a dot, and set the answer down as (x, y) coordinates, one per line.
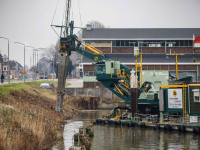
(111, 137)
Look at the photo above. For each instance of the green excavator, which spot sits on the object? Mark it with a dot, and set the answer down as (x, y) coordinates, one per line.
(112, 74)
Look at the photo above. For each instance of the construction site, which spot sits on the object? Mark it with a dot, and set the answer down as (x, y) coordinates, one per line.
(136, 88)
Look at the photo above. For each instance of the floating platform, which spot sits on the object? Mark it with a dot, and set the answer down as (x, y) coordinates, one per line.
(167, 126)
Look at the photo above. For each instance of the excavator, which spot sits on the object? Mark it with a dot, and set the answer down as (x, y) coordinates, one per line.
(112, 74)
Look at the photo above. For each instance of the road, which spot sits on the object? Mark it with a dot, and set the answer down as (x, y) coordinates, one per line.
(74, 82)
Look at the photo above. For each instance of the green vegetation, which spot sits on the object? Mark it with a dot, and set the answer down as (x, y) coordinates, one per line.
(5, 89)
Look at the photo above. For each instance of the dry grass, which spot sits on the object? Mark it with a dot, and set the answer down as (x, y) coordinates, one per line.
(28, 119)
(25, 127)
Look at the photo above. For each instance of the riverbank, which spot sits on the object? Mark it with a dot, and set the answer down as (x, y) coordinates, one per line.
(28, 119)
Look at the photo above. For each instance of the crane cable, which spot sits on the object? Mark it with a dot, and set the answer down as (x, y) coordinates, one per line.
(53, 19)
(55, 12)
(79, 13)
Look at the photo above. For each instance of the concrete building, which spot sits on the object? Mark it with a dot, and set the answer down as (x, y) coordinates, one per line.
(153, 44)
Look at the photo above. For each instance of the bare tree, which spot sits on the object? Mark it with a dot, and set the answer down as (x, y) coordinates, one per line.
(96, 24)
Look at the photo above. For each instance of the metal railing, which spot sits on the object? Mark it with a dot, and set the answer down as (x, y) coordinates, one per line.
(171, 118)
(189, 120)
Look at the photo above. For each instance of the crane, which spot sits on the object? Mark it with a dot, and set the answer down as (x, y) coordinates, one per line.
(112, 74)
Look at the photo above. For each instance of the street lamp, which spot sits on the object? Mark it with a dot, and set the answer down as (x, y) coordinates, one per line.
(8, 60)
(33, 49)
(24, 56)
(40, 49)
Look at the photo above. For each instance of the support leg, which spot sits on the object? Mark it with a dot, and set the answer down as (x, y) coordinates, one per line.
(134, 101)
(63, 58)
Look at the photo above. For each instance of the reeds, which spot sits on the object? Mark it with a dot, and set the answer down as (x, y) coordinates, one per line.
(25, 127)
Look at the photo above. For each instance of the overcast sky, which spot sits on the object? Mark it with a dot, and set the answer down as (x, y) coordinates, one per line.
(28, 21)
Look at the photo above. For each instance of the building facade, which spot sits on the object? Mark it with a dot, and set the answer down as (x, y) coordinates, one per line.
(4, 66)
(153, 44)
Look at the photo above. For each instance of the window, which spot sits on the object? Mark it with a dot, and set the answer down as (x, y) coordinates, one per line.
(196, 95)
(100, 68)
(117, 43)
(131, 43)
(126, 43)
(113, 43)
(5, 68)
(91, 73)
(177, 43)
(86, 73)
(186, 43)
(122, 43)
(190, 43)
(111, 65)
(196, 98)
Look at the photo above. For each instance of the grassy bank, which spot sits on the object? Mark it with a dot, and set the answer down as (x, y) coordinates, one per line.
(27, 116)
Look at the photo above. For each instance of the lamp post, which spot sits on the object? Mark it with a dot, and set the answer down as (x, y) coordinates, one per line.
(8, 60)
(36, 58)
(40, 49)
(24, 57)
(53, 68)
(33, 54)
(34, 51)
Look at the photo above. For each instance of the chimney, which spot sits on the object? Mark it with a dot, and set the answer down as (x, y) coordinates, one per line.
(88, 27)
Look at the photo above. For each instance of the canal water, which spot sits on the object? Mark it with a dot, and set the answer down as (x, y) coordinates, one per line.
(111, 137)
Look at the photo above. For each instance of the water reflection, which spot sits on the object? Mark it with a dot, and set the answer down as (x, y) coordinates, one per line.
(111, 137)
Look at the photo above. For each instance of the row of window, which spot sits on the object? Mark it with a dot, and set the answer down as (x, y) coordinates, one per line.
(89, 73)
(145, 43)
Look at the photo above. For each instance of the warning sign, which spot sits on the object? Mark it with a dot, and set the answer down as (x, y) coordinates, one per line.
(175, 98)
(194, 119)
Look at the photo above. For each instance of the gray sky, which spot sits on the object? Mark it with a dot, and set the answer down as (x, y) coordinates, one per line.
(28, 21)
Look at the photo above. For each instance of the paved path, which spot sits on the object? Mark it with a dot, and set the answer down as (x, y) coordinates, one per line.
(75, 83)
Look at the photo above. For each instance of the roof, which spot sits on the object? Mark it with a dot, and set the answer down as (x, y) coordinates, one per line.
(197, 40)
(140, 33)
(153, 58)
(4, 56)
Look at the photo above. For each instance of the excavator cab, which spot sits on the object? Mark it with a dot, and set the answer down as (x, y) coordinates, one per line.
(107, 70)
(100, 68)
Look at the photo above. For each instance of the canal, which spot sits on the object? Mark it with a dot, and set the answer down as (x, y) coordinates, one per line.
(111, 137)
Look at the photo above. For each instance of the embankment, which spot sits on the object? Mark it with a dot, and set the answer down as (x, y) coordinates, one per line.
(28, 119)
